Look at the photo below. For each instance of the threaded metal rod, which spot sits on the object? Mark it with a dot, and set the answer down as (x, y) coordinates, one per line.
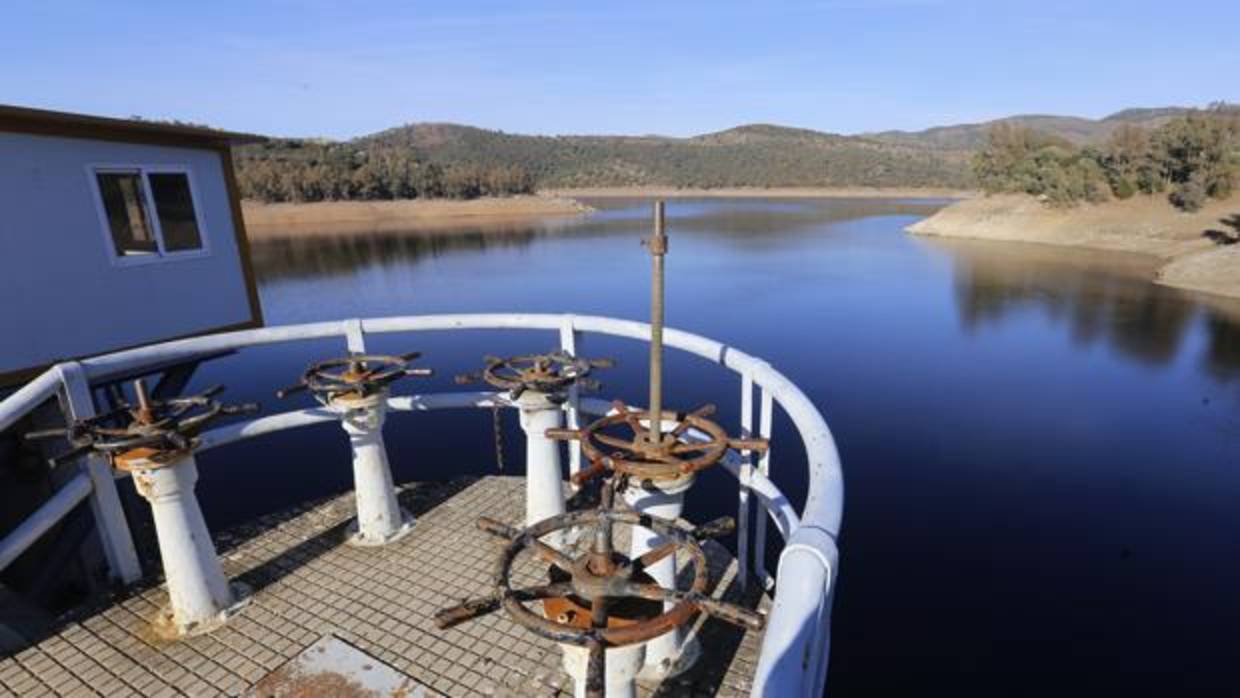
(658, 248)
(144, 401)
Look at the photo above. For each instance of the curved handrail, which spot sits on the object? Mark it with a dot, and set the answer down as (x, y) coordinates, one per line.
(794, 650)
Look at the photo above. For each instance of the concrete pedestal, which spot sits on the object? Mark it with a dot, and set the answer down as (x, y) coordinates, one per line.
(544, 480)
(668, 654)
(380, 520)
(199, 595)
(622, 666)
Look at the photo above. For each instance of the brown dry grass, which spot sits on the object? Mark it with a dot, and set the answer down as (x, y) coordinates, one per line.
(646, 192)
(266, 221)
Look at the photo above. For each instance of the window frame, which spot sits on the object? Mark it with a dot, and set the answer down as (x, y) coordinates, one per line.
(144, 171)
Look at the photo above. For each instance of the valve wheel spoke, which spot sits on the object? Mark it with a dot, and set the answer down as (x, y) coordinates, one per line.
(693, 446)
(648, 559)
(552, 556)
(614, 442)
(557, 590)
(730, 612)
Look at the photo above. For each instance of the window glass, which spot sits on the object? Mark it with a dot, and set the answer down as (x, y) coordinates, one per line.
(175, 207)
(125, 206)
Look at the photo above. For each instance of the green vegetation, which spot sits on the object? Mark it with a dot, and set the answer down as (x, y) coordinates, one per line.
(303, 170)
(1191, 157)
(1074, 129)
(429, 160)
(748, 156)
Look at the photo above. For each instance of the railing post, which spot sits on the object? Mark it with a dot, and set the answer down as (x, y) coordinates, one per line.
(570, 341)
(742, 514)
(764, 466)
(105, 503)
(355, 336)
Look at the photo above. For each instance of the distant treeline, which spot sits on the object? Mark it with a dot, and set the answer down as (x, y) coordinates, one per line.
(447, 160)
(1191, 159)
(301, 170)
(756, 155)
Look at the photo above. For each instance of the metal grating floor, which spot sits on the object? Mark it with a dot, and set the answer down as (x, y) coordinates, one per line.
(308, 584)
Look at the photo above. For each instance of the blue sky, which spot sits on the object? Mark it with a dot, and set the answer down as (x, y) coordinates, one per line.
(305, 67)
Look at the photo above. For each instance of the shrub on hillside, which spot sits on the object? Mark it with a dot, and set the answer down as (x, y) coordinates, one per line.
(1189, 196)
(1197, 157)
(306, 171)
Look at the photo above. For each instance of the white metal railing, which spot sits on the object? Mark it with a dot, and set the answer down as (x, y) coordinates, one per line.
(793, 660)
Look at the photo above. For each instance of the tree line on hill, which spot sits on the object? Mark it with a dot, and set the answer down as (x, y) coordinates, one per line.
(448, 160)
(1192, 158)
(305, 171)
(755, 155)
(1191, 155)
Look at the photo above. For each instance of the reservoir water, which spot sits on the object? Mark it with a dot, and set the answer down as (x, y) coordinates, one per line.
(1040, 446)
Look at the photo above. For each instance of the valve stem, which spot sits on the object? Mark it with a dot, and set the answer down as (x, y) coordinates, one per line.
(144, 401)
(658, 249)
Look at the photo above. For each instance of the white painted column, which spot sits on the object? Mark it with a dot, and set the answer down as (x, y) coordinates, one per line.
(200, 597)
(380, 519)
(622, 666)
(666, 655)
(544, 481)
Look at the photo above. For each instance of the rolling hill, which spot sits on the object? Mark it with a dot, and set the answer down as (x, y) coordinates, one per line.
(752, 155)
(1075, 129)
(462, 159)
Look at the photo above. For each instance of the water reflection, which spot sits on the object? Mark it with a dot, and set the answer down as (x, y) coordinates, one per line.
(329, 255)
(743, 222)
(751, 220)
(307, 254)
(1223, 345)
(1100, 297)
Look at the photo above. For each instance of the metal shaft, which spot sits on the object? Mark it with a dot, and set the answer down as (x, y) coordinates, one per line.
(144, 401)
(658, 248)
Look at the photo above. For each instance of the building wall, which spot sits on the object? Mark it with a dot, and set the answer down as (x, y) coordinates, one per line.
(61, 293)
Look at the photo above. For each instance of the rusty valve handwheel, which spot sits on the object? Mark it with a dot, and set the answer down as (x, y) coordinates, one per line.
(623, 443)
(600, 579)
(550, 374)
(163, 426)
(357, 376)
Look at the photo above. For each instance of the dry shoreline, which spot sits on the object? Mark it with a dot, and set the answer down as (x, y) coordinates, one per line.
(424, 216)
(645, 192)
(284, 220)
(1145, 224)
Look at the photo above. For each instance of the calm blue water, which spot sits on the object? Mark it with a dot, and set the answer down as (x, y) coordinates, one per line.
(1040, 446)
